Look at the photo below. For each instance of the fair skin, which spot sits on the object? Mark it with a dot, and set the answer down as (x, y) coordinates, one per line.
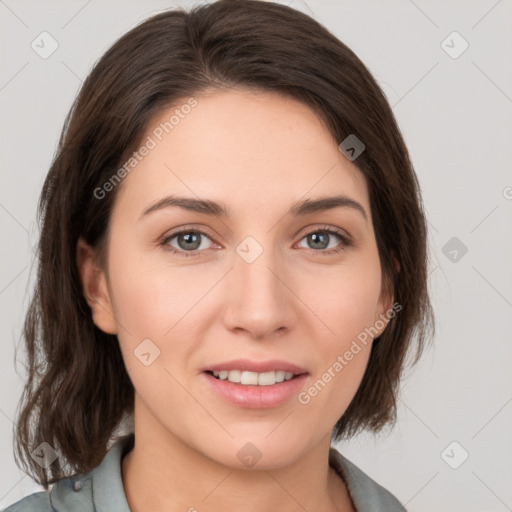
(258, 153)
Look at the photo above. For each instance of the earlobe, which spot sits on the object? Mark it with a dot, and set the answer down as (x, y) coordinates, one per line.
(94, 288)
(385, 309)
(381, 322)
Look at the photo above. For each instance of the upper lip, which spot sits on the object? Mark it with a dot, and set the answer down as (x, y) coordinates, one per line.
(256, 366)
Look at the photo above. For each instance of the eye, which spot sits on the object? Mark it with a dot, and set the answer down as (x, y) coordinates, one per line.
(190, 242)
(320, 241)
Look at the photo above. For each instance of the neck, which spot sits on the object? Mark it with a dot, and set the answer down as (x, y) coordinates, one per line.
(162, 473)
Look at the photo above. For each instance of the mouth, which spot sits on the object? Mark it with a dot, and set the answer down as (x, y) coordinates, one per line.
(255, 385)
(247, 378)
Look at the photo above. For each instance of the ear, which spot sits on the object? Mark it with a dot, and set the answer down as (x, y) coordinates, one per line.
(385, 310)
(397, 263)
(382, 316)
(94, 288)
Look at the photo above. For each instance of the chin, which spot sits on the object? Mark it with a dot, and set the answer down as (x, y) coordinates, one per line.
(258, 452)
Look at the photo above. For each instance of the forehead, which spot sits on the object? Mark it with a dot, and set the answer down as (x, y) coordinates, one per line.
(256, 151)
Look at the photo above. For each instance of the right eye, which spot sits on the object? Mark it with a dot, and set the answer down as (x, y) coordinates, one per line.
(189, 242)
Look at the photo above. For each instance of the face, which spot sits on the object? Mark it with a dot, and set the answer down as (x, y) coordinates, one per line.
(262, 284)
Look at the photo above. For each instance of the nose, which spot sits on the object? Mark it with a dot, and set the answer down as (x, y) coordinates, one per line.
(259, 297)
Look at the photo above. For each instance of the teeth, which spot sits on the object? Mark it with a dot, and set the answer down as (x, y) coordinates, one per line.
(233, 375)
(253, 378)
(266, 379)
(248, 378)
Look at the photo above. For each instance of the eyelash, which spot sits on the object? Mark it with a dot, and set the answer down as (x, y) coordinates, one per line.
(345, 242)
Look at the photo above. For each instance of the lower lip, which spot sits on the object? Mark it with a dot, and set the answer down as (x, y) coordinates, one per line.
(256, 397)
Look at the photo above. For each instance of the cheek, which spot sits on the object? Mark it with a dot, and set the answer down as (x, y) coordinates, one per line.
(149, 299)
(159, 303)
(345, 299)
(341, 362)
(151, 306)
(346, 308)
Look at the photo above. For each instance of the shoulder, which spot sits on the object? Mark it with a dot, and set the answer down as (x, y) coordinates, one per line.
(75, 493)
(366, 493)
(69, 494)
(37, 502)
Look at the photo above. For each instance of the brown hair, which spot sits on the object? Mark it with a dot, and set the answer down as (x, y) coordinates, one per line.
(78, 390)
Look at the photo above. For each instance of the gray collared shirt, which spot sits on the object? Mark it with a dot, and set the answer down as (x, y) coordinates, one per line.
(101, 490)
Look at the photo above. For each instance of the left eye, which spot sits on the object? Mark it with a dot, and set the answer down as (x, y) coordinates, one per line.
(321, 240)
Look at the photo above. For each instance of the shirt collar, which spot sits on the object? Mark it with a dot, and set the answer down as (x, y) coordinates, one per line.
(367, 495)
(107, 482)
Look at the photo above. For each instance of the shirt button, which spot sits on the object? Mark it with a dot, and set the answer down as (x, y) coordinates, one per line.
(77, 486)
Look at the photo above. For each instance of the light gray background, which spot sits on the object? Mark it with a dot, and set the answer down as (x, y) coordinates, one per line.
(456, 117)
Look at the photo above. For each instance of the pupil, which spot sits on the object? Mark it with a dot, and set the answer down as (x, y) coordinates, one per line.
(315, 238)
(188, 237)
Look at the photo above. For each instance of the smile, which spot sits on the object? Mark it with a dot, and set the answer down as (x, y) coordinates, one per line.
(251, 395)
(247, 378)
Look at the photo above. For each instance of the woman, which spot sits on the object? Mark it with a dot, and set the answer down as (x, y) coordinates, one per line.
(232, 258)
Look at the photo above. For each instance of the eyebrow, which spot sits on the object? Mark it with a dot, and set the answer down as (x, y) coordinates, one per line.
(297, 208)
